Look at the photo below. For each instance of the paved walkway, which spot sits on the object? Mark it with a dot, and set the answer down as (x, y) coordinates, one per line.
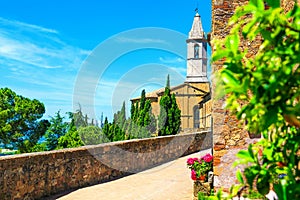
(170, 181)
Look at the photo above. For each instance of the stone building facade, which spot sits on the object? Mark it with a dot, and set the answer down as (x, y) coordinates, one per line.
(192, 96)
(228, 137)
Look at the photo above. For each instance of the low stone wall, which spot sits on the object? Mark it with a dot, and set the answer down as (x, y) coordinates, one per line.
(37, 175)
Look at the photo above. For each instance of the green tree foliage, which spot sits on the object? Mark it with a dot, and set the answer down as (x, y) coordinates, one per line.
(71, 138)
(176, 114)
(91, 135)
(57, 129)
(142, 110)
(30, 142)
(149, 118)
(263, 92)
(136, 112)
(114, 131)
(79, 118)
(169, 118)
(168, 81)
(120, 116)
(132, 110)
(105, 129)
(118, 133)
(20, 124)
(143, 122)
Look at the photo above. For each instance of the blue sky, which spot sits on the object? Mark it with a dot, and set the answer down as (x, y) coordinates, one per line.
(96, 53)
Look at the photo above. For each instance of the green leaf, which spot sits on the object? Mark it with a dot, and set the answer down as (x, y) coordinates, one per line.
(243, 154)
(250, 151)
(229, 79)
(239, 176)
(250, 174)
(273, 3)
(232, 42)
(266, 34)
(219, 55)
(246, 30)
(263, 184)
(268, 152)
(258, 3)
(271, 117)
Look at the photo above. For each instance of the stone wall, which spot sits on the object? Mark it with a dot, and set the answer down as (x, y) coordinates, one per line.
(36, 175)
(228, 137)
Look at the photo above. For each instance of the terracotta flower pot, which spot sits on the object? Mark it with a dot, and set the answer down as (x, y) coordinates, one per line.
(202, 177)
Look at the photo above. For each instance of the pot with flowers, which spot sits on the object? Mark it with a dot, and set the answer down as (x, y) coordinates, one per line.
(200, 170)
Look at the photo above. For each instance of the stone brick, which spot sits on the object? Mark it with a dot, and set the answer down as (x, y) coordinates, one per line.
(219, 147)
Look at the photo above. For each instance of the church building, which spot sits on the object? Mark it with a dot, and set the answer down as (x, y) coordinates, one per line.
(194, 95)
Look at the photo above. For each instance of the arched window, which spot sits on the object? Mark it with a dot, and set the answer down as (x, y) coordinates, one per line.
(196, 51)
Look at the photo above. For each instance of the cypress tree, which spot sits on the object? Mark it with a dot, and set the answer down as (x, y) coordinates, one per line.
(111, 132)
(142, 111)
(121, 116)
(163, 118)
(149, 118)
(143, 100)
(168, 81)
(106, 129)
(169, 117)
(86, 120)
(123, 112)
(136, 112)
(175, 115)
(142, 122)
(132, 110)
(79, 119)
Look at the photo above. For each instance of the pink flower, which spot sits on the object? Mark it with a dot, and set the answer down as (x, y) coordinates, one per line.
(191, 161)
(193, 175)
(207, 158)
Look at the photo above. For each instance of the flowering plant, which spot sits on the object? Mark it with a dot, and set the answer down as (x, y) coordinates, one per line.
(200, 166)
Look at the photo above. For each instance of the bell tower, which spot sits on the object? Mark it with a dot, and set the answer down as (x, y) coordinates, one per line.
(196, 53)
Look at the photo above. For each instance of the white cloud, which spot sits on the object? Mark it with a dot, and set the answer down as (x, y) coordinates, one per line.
(26, 25)
(37, 55)
(37, 63)
(33, 45)
(171, 60)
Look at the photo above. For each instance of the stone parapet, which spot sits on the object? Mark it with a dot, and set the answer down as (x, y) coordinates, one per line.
(37, 175)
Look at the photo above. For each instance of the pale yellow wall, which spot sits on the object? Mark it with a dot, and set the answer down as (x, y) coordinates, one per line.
(188, 96)
(205, 115)
(155, 108)
(186, 99)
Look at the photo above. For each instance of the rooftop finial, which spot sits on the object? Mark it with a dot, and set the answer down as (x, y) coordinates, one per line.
(196, 10)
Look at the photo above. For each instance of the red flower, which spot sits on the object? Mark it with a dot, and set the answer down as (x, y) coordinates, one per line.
(207, 158)
(193, 175)
(191, 161)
